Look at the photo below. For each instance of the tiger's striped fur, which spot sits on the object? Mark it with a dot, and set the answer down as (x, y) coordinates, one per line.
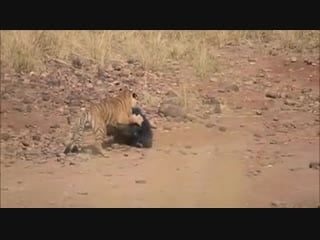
(111, 111)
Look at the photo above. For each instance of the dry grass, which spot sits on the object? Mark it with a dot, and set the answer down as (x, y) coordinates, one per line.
(27, 50)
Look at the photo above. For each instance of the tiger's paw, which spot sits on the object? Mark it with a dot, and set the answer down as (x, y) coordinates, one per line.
(71, 148)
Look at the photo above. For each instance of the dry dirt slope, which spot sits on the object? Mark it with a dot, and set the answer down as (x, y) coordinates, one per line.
(261, 149)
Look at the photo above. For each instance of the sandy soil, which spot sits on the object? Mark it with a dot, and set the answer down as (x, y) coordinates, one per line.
(261, 149)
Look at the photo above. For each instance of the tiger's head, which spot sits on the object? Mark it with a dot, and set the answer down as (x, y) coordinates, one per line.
(130, 95)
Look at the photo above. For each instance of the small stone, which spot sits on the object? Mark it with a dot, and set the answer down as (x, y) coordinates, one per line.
(258, 112)
(222, 129)
(131, 61)
(314, 165)
(171, 93)
(55, 126)
(82, 193)
(210, 125)
(139, 73)
(5, 136)
(116, 66)
(289, 102)
(27, 101)
(167, 128)
(24, 143)
(89, 85)
(271, 94)
(45, 97)
(232, 87)
(76, 62)
(273, 142)
(257, 135)
(277, 204)
(99, 82)
(284, 95)
(308, 62)
(293, 59)
(141, 181)
(188, 147)
(28, 108)
(36, 138)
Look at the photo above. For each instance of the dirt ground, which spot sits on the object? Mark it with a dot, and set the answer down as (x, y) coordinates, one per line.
(248, 138)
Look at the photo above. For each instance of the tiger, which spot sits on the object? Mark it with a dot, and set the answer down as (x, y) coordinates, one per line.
(111, 111)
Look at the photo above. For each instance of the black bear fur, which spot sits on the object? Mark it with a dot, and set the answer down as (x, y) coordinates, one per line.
(133, 134)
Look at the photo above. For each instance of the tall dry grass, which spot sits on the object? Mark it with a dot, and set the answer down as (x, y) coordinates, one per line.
(27, 50)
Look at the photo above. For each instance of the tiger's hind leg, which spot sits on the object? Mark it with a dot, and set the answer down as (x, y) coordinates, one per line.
(73, 145)
(99, 131)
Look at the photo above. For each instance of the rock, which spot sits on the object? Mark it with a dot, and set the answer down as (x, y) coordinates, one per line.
(141, 181)
(45, 97)
(278, 204)
(53, 82)
(36, 138)
(25, 143)
(55, 126)
(293, 59)
(82, 193)
(213, 79)
(222, 129)
(252, 60)
(273, 141)
(27, 100)
(5, 136)
(89, 85)
(314, 165)
(99, 82)
(217, 108)
(131, 61)
(171, 94)
(188, 147)
(284, 95)
(270, 94)
(76, 62)
(232, 87)
(289, 102)
(210, 125)
(116, 66)
(171, 110)
(308, 62)
(258, 112)
(167, 128)
(125, 73)
(210, 100)
(257, 135)
(139, 73)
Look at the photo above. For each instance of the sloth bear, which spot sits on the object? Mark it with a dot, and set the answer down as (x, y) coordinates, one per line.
(133, 135)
